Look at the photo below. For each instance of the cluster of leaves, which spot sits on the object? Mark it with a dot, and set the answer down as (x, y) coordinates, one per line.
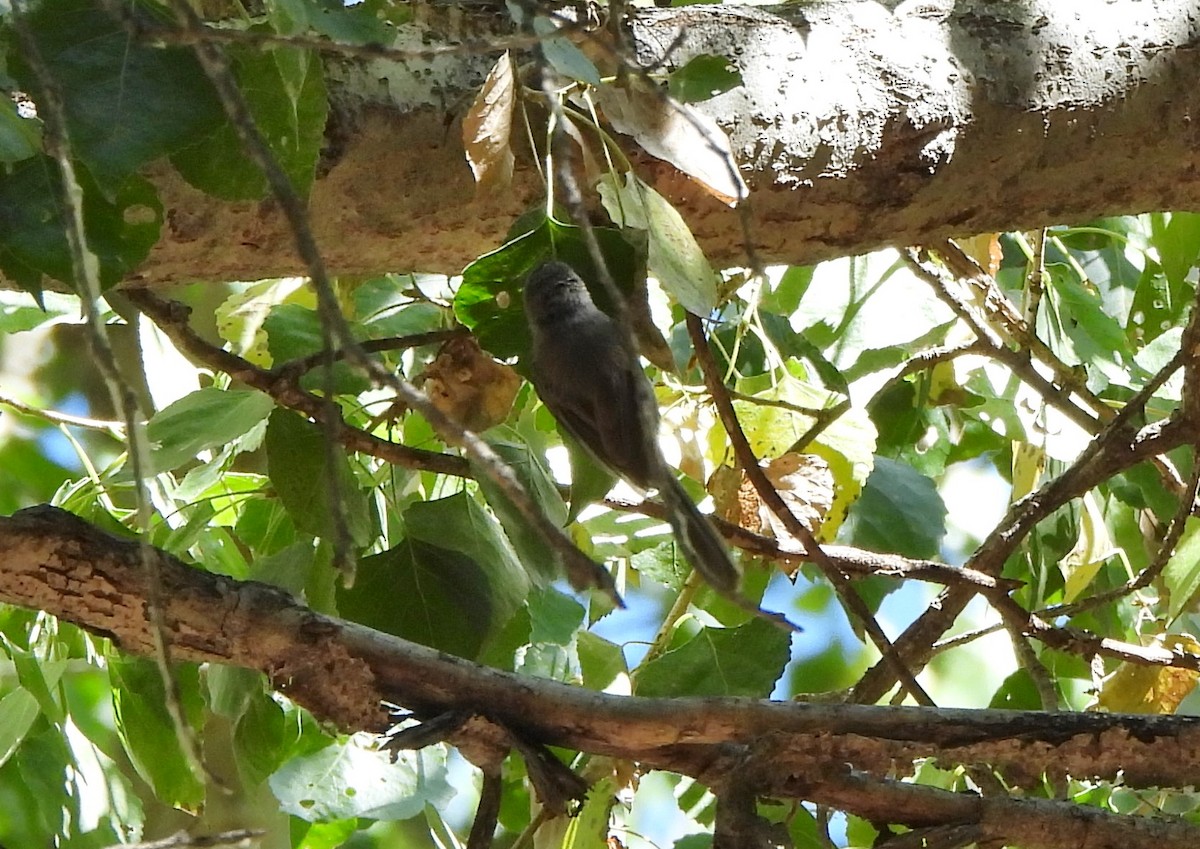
(89, 755)
(129, 104)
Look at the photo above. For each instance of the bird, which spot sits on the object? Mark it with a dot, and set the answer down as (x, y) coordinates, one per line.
(587, 373)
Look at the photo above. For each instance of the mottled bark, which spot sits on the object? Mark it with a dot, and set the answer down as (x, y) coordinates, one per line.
(857, 125)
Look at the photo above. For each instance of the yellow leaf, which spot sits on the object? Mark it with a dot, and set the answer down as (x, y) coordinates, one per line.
(1028, 463)
(1092, 548)
(1135, 688)
(847, 445)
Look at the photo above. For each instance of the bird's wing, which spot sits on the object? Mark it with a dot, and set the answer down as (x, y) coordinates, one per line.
(600, 402)
(629, 428)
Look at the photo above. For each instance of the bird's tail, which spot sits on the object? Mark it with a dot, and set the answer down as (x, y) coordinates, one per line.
(698, 538)
(707, 553)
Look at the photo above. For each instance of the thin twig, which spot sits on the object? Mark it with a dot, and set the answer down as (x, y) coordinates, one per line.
(297, 367)
(1166, 550)
(854, 561)
(113, 428)
(947, 289)
(936, 356)
(171, 317)
(1013, 327)
(1035, 280)
(1116, 448)
(770, 496)
(1007, 321)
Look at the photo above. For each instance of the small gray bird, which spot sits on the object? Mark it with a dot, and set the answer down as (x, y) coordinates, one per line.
(588, 375)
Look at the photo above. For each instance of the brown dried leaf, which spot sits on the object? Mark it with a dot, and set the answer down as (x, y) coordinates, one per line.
(803, 481)
(984, 249)
(677, 133)
(487, 129)
(469, 386)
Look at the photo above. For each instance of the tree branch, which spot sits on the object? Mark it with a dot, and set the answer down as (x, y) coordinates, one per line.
(854, 146)
(342, 672)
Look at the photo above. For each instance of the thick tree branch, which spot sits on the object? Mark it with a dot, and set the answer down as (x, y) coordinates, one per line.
(341, 671)
(855, 127)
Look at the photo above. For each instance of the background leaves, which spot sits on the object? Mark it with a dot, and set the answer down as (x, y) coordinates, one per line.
(856, 361)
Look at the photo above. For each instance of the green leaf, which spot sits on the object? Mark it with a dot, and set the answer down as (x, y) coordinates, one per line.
(1181, 577)
(361, 23)
(18, 312)
(860, 832)
(298, 468)
(555, 617)
(662, 564)
(538, 559)
(1156, 355)
(1178, 245)
(289, 17)
(262, 738)
(39, 677)
(266, 527)
(284, 88)
(899, 511)
(562, 55)
(785, 298)
(451, 584)
(600, 661)
(458, 523)
(1111, 253)
(742, 661)
(18, 710)
(703, 76)
(588, 829)
(322, 835)
(127, 102)
(345, 780)
(290, 568)
(1159, 303)
(120, 228)
(35, 784)
(148, 733)
(795, 345)
(383, 307)
(1018, 692)
(204, 419)
(20, 138)
(490, 300)
(1085, 333)
(676, 259)
(294, 332)
(590, 481)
